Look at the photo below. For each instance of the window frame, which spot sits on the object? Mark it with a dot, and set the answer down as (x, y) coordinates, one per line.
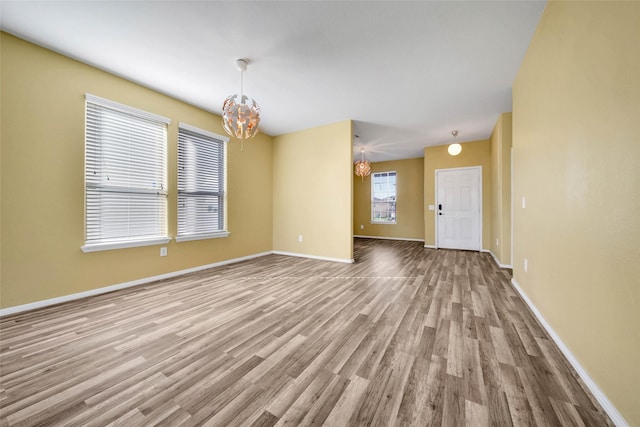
(214, 138)
(93, 188)
(395, 200)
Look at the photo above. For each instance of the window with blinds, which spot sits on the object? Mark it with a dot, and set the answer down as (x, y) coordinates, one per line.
(383, 197)
(125, 176)
(201, 184)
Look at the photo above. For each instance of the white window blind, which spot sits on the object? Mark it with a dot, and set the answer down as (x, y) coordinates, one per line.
(125, 176)
(201, 184)
(383, 197)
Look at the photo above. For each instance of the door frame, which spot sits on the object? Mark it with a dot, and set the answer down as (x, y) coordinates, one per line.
(479, 169)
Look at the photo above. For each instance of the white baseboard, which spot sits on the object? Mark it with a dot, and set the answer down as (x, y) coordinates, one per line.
(58, 300)
(388, 238)
(345, 260)
(606, 404)
(495, 258)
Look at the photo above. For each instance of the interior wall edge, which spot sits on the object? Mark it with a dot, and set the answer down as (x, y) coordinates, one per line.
(321, 258)
(495, 258)
(388, 238)
(106, 289)
(604, 401)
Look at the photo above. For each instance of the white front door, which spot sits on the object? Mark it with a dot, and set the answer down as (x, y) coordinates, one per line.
(459, 208)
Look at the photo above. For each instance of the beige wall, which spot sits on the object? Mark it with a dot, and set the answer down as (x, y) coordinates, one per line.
(576, 142)
(313, 192)
(475, 153)
(501, 189)
(43, 181)
(409, 206)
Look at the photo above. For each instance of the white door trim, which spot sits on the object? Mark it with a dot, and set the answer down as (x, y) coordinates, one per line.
(479, 169)
(511, 261)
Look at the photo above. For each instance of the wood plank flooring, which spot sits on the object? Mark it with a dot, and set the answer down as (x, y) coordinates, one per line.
(405, 336)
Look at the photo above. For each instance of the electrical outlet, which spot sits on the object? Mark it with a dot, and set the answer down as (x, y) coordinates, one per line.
(300, 238)
(361, 226)
(163, 251)
(526, 265)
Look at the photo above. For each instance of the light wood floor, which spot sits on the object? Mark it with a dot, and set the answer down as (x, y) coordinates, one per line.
(405, 336)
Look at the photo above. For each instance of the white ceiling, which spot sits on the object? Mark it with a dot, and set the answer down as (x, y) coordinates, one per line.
(407, 73)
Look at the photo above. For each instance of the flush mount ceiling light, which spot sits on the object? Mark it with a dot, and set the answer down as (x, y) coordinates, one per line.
(241, 114)
(455, 148)
(363, 167)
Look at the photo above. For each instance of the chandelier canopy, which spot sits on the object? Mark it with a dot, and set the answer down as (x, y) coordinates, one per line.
(241, 114)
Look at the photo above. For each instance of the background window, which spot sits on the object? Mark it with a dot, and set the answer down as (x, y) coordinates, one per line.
(383, 197)
(201, 184)
(125, 176)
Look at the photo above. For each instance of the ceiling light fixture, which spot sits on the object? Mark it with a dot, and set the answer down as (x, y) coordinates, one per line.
(241, 114)
(363, 167)
(455, 148)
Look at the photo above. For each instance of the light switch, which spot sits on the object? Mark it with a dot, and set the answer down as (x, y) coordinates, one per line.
(432, 207)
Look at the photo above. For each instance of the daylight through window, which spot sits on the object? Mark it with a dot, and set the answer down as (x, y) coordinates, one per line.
(383, 197)
(125, 176)
(201, 184)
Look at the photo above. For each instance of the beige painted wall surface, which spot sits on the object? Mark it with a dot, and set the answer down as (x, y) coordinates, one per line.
(409, 205)
(576, 141)
(475, 153)
(43, 181)
(501, 189)
(313, 192)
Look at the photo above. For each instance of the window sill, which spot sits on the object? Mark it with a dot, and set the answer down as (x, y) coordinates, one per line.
(97, 247)
(383, 222)
(217, 235)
